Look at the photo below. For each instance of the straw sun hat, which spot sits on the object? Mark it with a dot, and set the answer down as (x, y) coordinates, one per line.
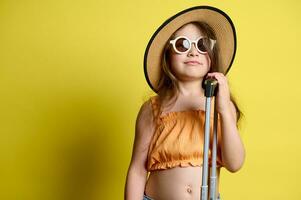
(219, 21)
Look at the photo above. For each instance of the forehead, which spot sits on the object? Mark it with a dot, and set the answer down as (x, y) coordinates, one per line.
(191, 31)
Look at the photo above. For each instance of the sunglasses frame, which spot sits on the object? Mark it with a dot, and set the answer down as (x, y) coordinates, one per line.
(173, 42)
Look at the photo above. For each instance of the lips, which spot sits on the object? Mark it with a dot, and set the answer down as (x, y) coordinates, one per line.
(192, 62)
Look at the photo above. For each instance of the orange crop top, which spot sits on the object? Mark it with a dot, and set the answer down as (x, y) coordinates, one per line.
(178, 139)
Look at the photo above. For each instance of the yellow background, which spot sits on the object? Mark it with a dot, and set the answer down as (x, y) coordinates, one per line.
(72, 82)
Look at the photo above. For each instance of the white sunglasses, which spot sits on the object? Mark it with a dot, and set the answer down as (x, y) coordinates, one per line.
(182, 44)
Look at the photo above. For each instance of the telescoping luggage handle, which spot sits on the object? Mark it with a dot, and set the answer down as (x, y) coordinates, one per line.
(210, 86)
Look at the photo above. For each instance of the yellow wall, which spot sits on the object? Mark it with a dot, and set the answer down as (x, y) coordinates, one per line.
(72, 82)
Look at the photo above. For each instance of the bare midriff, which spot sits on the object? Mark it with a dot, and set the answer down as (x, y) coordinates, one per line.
(179, 183)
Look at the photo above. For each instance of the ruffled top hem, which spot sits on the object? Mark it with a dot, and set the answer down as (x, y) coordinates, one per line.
(179, 163)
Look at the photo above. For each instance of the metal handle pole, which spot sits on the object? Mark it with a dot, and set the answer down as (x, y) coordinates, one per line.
(210, 85)
(204, 192)
(213, 176)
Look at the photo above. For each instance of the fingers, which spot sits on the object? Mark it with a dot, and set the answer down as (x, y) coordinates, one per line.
(220, 77)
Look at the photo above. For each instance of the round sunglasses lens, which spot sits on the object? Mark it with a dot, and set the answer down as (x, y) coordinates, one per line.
(203, 44)
(182, 45)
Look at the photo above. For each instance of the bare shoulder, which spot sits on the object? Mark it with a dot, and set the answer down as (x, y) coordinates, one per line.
(143, 133)
(144, 129)
(145, 114)
(144, 122)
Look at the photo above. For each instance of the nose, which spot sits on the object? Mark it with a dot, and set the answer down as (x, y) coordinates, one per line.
(193, 50)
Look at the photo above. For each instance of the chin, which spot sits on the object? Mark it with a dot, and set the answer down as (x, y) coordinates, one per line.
(198, 73)
(193, 77)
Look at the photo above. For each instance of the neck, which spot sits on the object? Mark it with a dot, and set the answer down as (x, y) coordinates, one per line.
(191, 88)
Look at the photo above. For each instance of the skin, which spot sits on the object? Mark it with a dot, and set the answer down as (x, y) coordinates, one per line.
(183, 183)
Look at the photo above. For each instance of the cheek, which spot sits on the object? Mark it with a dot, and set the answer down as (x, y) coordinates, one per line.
(174, 58)
(174, 62)
(208, 61)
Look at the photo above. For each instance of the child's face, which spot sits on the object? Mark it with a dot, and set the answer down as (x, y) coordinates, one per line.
(191, 65)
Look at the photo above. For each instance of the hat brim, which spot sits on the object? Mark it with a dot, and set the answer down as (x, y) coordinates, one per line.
(219, 21)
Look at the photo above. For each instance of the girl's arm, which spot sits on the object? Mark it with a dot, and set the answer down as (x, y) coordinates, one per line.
(137, 172)
(233, 152)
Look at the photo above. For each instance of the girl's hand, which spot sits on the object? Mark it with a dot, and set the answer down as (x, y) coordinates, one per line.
(223, 101)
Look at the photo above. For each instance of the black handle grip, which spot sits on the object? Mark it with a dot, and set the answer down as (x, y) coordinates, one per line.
(210, 85)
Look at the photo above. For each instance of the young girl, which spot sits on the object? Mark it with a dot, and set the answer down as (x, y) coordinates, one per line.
(191, 46)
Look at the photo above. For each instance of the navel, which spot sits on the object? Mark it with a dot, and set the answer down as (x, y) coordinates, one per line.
(189, 189)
